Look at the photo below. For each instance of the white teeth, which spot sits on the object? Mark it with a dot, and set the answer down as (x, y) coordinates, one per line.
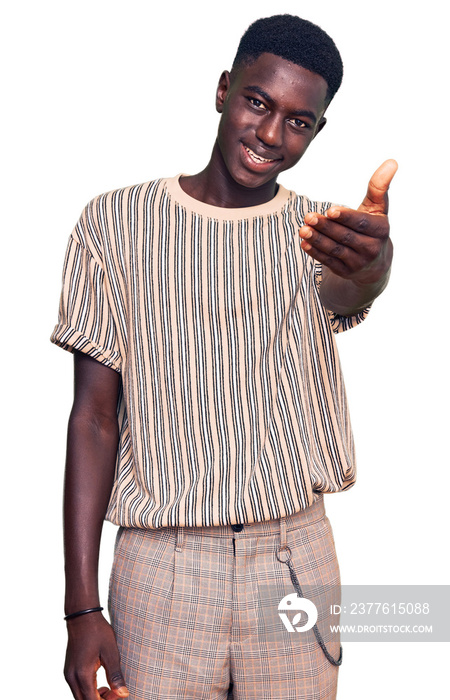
(258, 159)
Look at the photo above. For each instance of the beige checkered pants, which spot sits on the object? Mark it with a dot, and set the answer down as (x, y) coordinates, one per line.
(196, 609)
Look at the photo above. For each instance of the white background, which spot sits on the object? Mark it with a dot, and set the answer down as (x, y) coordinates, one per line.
(99, 95)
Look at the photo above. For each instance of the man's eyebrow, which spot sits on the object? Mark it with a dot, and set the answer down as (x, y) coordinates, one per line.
(259, 91)
(296, 113)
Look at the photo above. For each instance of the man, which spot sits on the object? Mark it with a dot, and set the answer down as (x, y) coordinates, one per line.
(210, 415)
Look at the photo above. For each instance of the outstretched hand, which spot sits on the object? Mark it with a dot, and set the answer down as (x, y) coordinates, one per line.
(354, 244)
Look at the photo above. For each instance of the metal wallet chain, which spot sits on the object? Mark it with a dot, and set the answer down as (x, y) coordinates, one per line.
(298, 589)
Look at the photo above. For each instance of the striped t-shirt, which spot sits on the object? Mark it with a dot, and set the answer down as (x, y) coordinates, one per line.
(233, 406)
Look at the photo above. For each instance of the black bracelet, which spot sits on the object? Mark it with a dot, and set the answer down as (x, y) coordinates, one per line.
(82, 612)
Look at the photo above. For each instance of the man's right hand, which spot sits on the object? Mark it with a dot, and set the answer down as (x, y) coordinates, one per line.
(92, 644)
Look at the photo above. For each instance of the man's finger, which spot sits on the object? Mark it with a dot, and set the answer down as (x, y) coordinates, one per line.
(108, 694)
(376, 199)
(115, 678)
(342, 224)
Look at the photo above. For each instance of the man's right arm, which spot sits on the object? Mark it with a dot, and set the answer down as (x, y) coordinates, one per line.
(91, 456)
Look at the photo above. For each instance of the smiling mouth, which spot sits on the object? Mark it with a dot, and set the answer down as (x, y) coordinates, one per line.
(258, 159)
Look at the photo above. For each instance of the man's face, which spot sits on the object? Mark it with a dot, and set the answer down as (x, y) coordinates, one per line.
(271, 111)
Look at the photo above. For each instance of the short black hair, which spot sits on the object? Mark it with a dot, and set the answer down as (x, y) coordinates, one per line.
(296, 40)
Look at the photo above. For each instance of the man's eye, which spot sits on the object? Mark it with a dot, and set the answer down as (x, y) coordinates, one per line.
(256, 103)
(299, 123)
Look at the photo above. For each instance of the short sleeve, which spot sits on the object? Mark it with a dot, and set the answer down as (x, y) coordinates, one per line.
(85, 321)
(339, 323)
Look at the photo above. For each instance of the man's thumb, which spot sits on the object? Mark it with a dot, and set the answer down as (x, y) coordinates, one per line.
(117, 683)
(118, 688)
(114, 692)
(376, 199)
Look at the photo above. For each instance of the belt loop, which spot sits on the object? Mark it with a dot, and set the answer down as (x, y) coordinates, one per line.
(180, 539)
(283, 539)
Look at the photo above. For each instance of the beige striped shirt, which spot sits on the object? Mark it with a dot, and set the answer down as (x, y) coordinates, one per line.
(233, 406)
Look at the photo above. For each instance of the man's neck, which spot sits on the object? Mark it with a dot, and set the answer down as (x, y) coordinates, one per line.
(214, 185)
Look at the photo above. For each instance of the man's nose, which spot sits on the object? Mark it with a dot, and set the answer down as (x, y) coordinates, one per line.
(270, 131)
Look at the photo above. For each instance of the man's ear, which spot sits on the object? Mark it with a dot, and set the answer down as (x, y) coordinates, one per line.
(222, 90)
(320, 125)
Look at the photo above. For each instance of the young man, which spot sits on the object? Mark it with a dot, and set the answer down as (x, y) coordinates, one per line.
(210, 414)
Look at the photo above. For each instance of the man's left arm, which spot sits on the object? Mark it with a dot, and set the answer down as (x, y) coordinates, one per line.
(353, 246)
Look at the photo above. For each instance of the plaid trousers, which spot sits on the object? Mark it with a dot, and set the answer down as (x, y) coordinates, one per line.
(195, 610)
